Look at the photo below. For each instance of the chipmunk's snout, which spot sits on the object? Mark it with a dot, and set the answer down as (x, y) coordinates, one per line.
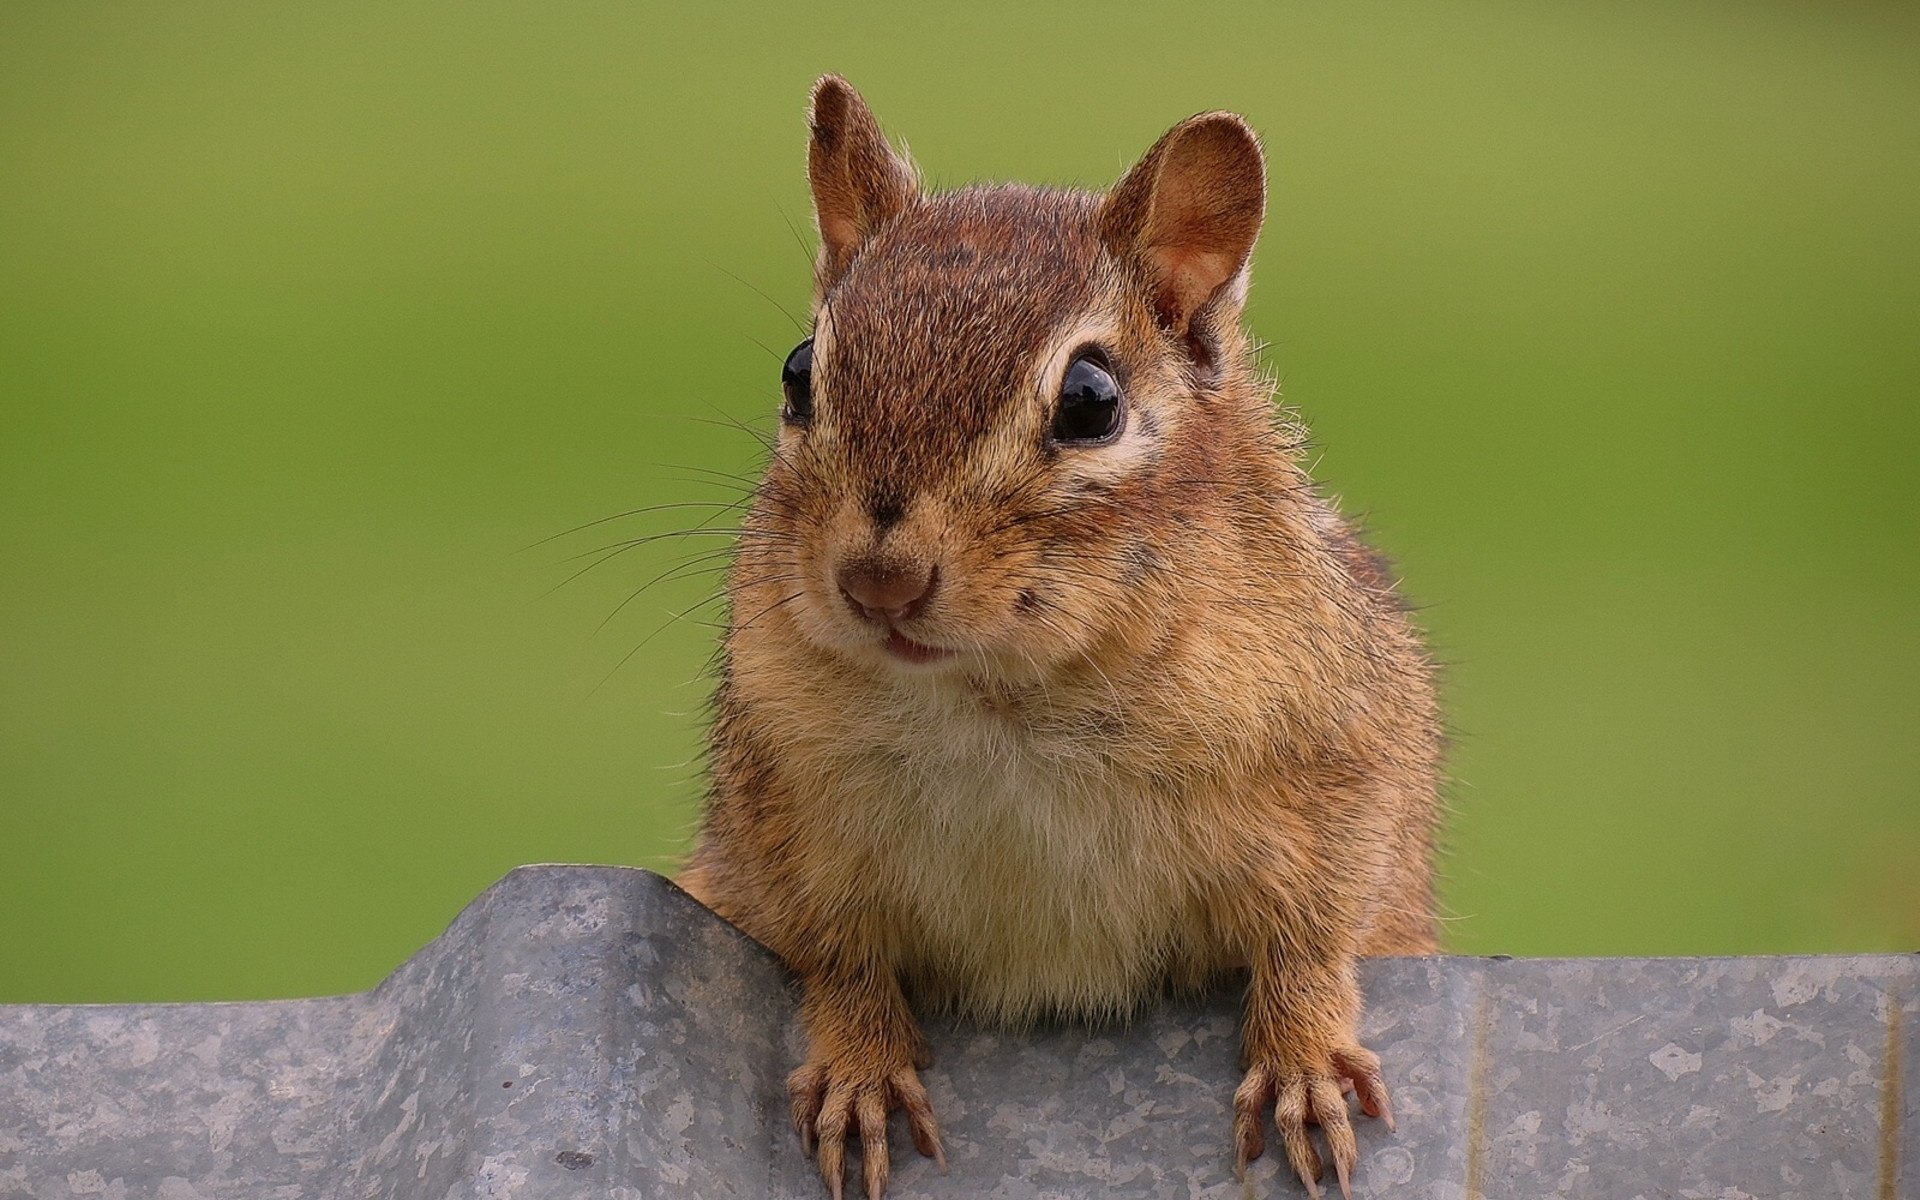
(886, 591)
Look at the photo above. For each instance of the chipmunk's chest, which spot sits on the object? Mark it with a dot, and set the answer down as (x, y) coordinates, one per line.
(1028, 874)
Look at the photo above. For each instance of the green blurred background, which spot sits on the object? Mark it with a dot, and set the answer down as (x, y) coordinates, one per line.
(311, 315)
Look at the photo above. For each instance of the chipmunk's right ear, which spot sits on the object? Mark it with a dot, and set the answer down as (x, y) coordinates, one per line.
(859, 184)
(1186, 217)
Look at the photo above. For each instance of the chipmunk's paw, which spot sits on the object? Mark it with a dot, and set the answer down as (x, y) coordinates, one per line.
(1310, 1091)
(833, 1101)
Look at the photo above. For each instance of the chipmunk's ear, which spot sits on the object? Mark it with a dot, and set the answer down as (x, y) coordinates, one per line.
(858, 182)
(1186, 217)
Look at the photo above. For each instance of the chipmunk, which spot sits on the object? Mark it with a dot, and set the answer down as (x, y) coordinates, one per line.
(1050, 682)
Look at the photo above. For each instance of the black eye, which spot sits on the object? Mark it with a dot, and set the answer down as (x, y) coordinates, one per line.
(796, 381)
(1089, 412)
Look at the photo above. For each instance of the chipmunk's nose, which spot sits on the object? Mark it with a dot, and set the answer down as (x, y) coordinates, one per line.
(887, 592)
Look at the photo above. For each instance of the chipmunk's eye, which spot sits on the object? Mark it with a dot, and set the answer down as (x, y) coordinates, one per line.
(1089, 412)
(796, 381)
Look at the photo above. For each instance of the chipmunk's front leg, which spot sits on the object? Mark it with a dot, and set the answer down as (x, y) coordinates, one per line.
(863, 1053)
(1302, 1052)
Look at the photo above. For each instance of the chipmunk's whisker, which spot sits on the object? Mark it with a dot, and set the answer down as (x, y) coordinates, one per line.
(758, 292)
(628, 656)
(631, 512)
(680, 571)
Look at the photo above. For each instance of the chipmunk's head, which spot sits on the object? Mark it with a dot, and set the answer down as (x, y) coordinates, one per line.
(1012, 398)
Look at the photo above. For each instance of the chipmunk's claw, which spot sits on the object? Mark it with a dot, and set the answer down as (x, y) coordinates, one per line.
(1301, 1098)
(829, 1107)
(1250, 1102)
(1360, 1068)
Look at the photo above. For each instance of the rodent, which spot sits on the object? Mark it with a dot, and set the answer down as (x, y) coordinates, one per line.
(1051, 682)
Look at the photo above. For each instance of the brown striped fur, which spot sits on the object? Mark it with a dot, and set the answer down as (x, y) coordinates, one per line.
(1186, 728)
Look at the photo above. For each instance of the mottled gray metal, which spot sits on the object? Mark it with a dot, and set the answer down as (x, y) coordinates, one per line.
(591, 1032)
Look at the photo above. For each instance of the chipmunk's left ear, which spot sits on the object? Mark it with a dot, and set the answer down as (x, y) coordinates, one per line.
(1186, 216)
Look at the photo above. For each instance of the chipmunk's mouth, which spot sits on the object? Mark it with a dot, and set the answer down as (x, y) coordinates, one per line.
(907, 650)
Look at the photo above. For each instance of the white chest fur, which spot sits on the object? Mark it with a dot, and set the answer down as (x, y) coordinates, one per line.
(1027, 874)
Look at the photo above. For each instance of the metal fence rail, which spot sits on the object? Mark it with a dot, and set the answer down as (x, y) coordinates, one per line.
(591, 1032)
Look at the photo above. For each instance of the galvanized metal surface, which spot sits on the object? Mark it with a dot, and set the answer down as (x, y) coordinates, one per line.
(591, 1032)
